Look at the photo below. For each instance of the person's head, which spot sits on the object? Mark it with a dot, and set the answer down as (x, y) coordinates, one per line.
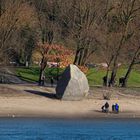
(106, 102)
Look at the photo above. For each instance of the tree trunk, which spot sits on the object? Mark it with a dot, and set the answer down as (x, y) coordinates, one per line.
(80, 57)
(124, 84)
(114, 71)
(84, 57)
(107, 72)
(115, 64)
(50, 36)
(0, 8)
(40, 76)
(105, 82)
(113, 75)
(76, 57)
(42, 68)
(46, 37)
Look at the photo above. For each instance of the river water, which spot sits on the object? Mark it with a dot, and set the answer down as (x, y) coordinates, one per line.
(58, 129)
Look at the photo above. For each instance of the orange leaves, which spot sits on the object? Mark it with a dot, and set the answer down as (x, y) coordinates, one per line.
(60, 55)
(57, 53)
(83, 69)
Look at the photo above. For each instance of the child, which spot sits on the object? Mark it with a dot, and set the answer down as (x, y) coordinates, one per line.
(116, 108)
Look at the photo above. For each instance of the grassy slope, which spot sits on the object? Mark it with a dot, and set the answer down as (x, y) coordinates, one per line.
(28, 74)
(32, 74)
(94, 75)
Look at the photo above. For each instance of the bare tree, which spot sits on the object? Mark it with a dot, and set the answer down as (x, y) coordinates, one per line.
(133, 52)
(126, 16)
(79, 22)
(46, 12)
(13, 16)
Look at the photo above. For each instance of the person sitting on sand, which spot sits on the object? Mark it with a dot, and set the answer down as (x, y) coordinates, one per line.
(113, 107)
(116, 108)
(105, 108)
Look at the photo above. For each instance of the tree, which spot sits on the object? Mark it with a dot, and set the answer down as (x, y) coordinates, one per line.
(106, 37)
(78, 23)
(14, 15)
(52, 52)
(134, 57)
(28, 42)
(46, 13)
(126, 15)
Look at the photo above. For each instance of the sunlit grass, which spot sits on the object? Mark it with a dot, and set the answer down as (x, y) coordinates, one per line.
(94, 75)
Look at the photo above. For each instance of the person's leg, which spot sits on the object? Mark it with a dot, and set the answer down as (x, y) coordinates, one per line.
(42, 82)
(103, 110)
(107, 110)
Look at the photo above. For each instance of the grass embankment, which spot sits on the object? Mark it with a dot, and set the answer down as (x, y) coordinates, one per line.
(94, 75)
(32, 74)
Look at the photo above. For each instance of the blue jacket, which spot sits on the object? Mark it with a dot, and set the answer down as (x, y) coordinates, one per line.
(116, 107)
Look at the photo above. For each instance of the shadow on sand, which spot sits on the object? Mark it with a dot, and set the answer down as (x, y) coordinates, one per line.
(100, 111)
(45, 94)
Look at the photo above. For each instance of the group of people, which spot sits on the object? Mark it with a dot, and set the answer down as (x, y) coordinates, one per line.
(107, 81)
(115, 108)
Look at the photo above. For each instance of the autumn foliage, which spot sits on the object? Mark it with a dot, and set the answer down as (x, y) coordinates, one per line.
(84, 69)
(60, 54)
(57, 53)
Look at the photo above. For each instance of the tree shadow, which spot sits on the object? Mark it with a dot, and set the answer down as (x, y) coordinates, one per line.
(45, 94)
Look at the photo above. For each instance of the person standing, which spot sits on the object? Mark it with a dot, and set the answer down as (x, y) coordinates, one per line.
(52, 81)
(42, 79)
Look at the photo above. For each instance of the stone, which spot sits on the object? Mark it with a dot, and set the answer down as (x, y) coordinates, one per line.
(73, 84)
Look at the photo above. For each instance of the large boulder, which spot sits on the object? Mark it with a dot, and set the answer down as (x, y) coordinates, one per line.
(73, 84)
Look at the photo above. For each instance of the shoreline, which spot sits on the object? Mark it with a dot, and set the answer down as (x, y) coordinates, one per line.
(72, 118)
(88, 116)
(31, 101)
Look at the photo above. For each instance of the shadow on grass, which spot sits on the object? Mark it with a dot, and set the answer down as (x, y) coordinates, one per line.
(45, 94)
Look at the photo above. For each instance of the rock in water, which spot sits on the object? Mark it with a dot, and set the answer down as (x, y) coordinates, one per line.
(73, 84)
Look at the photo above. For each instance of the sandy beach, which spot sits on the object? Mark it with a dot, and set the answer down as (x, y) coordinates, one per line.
(34, 101)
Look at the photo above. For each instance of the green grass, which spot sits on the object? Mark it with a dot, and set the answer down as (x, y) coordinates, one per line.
(94, 75)
(32, 74)
(28, 74)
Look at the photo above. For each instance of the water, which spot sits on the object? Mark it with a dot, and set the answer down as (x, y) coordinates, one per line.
(44, 129)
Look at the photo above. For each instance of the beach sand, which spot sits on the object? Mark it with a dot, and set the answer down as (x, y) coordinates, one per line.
(34, 101)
